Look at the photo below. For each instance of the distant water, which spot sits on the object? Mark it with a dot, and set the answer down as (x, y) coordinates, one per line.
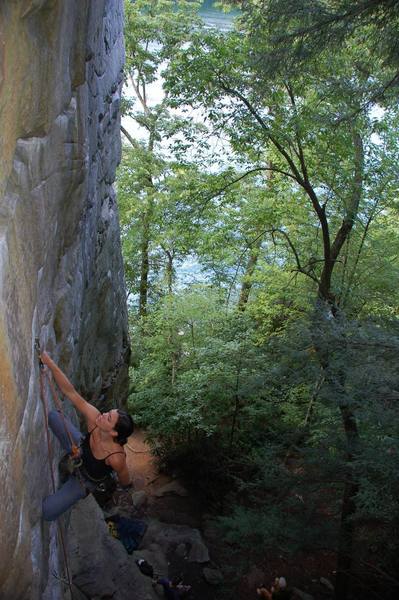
(216, 18)
(190, 271)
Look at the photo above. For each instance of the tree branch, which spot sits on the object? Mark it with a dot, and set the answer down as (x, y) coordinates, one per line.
(138, 94)
(237, 179)
(264, 126)
(359, 251)
(133, 142)
(297, 136)
(300, 269)
(354, 201)
(303, 182)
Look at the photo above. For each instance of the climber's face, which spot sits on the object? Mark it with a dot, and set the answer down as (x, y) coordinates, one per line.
(107, 421)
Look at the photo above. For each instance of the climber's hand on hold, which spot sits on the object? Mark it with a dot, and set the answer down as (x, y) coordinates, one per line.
(45, 358)
(89, 411)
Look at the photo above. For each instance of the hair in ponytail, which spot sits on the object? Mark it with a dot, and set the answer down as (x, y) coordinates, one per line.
(124, 427)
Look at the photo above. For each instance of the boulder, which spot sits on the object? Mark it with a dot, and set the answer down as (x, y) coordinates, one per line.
(181, 550)
(174, 487)
(100, 565)
(213, 576)
(169, 537)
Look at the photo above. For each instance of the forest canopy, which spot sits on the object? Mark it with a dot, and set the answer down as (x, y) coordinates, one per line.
(258, 198)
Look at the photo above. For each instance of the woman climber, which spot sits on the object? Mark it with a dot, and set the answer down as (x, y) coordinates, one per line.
(100, 450)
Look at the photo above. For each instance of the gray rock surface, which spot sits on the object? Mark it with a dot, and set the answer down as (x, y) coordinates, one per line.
(100, 565)
(61, 273)
(301, 594)
(169, 537)
(213, 576)
(181, 550)
(174, 487)
(139, 498)
(327, 583)
(155, 556)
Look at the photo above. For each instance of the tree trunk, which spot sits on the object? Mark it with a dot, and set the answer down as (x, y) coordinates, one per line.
(145, 263)
(146, 223)
(174, 367)
(236, 408)
(247, 282)
(145, 240)
(346, 532)
(169, 271)
(343, 232)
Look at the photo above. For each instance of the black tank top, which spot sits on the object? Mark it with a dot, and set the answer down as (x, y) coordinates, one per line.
(95, 468)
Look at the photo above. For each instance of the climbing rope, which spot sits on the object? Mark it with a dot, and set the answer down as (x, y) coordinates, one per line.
(43, 399)
(42, 375)
(137, 451)
(74, 448)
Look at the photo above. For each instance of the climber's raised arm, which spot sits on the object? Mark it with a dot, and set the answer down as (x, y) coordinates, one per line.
(89, 411)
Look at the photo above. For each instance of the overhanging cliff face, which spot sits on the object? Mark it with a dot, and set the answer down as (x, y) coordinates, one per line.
(61, 275)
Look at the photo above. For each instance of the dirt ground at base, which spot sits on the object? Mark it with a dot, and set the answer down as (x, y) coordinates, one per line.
(170, 509)
(240, 583)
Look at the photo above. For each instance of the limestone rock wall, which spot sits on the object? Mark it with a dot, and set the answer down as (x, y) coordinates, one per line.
(61, 275)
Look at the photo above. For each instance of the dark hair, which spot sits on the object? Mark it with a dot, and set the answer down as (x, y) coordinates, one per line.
(176, 580)
(124, 427)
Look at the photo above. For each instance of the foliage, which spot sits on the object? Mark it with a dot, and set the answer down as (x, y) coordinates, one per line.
(295, 33)
(200, 367)
(295, 493)
(271, 381)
